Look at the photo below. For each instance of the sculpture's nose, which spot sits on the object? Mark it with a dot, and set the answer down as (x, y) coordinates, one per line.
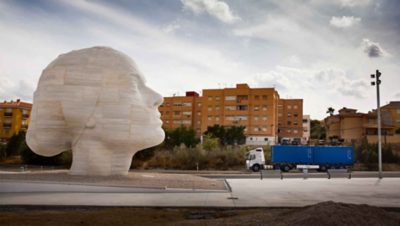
(155, 99)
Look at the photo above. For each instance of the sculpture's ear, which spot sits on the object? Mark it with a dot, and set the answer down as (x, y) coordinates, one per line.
(91, 123)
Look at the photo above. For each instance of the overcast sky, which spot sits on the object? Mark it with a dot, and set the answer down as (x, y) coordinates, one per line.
(320, 51)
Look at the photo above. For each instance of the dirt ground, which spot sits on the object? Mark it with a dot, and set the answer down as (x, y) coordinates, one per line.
(326, 213)
(133, 179)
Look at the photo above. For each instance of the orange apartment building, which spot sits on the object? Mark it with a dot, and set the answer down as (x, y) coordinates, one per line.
(182, 110)
(254, 108)
(243, 106)
(14, 117)
(290, 119)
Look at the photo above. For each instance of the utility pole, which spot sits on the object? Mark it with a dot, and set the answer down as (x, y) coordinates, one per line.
(376, 83)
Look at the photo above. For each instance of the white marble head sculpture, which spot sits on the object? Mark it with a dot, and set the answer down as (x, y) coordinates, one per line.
(95, 102)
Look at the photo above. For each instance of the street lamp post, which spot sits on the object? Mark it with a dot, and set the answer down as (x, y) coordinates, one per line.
(376, 83)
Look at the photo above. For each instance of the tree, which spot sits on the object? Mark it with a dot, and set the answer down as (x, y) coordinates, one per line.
(210, 143)
(227, 135)
(14, 144)
(235, 135)
(330, 111)
(180, 135)
(317, 131)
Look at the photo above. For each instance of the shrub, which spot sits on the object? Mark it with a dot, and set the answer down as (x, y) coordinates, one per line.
(29, 157)
(13, 145)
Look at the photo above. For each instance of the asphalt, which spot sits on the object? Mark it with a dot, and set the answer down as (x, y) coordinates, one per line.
(252, 192)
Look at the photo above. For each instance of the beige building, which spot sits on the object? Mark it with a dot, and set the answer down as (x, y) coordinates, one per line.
(352, 126)
(306, 129)
(254, 108)
(14, 117)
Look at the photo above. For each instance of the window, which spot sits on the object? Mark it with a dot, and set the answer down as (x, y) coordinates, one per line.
(177, 104)
(289, 123)
(230, 108)
(186, 122)
(177, 112)
(230, 97)
(199, 113)
(187, 104)
(167, 121)
(217, 97)
(216, 118)
(242, 98)
(198, 104)
(256, 97)
(305, 120)
(264, 118)
(264, 129)
(256, 118)
(217, 108)
(257, 129)
(241, 107)
(209, 118)
(289, 115)
(279, 114)
(266, 139)
(187, 113)
(295, 115)
(295, 124)
(264, 107)
(289, 107)
(295, 131)
(209, 108)
(210, 98)
(256, 107)
(289, 130)
(280, 106)
(264, 97)
(295, 106)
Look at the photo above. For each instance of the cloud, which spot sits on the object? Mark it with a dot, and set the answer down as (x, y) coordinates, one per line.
(12, 90)
(373, 49)
(170, 28)
(215, 8)
(344, 21)
(354, 3)
(397, 95)
(292, 81)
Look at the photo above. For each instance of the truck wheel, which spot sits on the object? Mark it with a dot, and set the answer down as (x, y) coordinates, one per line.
(255, 168)
(322, 168)
(285, 168)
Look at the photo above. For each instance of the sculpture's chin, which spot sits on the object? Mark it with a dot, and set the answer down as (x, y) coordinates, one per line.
(153, 139)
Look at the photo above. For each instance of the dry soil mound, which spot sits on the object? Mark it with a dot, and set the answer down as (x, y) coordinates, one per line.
(331, 213)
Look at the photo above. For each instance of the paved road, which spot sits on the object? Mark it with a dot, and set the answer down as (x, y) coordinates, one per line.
(245, 193)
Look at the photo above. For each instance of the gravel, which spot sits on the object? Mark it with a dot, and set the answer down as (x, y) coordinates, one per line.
(133, 179)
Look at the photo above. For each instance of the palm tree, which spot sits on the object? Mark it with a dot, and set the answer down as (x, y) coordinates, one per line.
(330, 111)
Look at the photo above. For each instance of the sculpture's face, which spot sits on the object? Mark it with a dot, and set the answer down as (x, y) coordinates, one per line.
(97, 96)
(127, 116)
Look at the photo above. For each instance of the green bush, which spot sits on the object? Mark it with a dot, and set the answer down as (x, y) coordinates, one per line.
(29, 157)
(13, 145)
(3, 153)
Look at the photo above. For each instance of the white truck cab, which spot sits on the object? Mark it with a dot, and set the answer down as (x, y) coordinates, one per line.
(255, 159)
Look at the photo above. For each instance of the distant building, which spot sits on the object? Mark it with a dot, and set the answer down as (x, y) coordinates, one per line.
(14, 117)
(393, 108)
(306, 129)
(179, 111)
(290, 119)
(254, 108)
(352, 126)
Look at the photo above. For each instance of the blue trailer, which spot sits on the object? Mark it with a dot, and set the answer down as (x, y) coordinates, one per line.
(286, 157)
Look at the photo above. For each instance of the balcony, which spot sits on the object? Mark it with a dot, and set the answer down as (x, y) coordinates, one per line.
(8, 114)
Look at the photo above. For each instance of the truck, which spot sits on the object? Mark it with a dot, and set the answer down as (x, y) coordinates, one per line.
(286, 158)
